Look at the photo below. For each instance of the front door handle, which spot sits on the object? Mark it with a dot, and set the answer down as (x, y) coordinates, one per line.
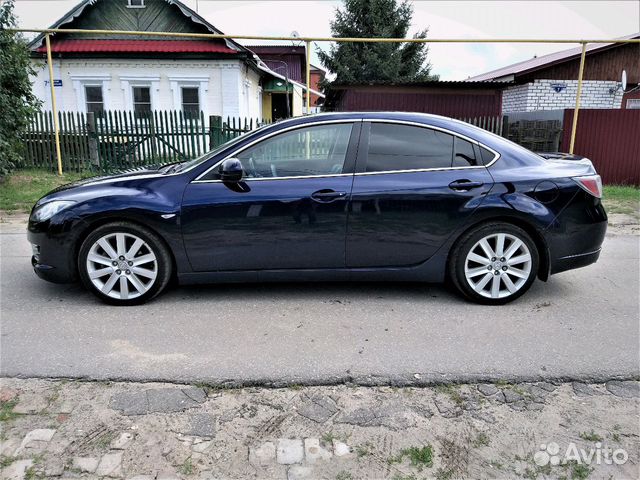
(327, 195)
(464, 185)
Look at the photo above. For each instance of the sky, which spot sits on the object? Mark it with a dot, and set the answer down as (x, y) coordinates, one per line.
(473, 19)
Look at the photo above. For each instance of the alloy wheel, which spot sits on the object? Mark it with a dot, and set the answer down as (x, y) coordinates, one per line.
(498, 265)
(122, 266)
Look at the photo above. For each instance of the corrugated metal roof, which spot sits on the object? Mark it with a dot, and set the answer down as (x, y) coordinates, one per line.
(539, 62)
(137, 46)
(430, 83)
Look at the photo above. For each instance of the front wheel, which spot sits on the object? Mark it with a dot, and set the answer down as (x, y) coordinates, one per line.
(124, 264)
(494, 264)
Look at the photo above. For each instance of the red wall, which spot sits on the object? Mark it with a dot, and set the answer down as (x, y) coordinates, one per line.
(610, 139)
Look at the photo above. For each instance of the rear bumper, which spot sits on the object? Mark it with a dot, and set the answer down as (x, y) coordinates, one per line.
(575, 261)
(575, 237)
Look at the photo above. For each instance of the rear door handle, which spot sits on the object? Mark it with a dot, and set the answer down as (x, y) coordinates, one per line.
(464, 185)
(327, 195)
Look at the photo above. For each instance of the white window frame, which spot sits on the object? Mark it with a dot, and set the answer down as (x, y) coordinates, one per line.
(80, 81)
(142, 5)
(176, 82)
(129, 81)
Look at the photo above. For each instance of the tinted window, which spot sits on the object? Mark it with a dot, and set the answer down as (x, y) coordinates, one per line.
(465, 155)
(318, 150)
(404, 147)
(487, 155)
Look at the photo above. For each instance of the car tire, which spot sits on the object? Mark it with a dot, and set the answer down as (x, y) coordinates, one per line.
(124, 264)
(494, 264)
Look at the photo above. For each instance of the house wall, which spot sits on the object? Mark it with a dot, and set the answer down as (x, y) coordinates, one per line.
(540, 95)
(227, 87)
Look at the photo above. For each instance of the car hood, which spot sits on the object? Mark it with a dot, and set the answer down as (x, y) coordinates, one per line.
(120, 176)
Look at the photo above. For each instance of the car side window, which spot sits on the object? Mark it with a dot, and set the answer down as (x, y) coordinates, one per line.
(315, 150)
(487, 155)
(464, 155)
(405, 147)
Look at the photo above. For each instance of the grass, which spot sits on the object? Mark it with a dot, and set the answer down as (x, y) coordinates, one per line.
(344, 475)
(419, 457)
(452, 392)
(579, 471)
(482, 440)
(6, 410)
(621, 199)
(187, 467)
(21, 189)
(590, 436)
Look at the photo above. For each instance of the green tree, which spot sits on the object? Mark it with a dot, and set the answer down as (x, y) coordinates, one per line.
(17, 102)
(353, 62)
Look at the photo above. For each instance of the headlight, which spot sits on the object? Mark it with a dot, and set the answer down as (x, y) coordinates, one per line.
(47, 210)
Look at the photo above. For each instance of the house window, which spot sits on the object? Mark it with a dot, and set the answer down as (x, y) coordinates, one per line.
(135, 4)
(141, 100)
(633, 103)
(191, 101)
(94, 99)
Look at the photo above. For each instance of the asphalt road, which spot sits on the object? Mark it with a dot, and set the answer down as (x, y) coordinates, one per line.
(580, 325)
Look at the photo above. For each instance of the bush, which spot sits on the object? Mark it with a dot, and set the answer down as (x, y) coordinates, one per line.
(17, 102)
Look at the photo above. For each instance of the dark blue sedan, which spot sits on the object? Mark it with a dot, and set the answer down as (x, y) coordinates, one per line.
(347, 196)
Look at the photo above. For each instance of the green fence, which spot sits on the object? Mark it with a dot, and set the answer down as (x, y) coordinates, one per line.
(116, 140)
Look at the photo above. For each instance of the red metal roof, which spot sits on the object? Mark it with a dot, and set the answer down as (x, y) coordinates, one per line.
(136, 46)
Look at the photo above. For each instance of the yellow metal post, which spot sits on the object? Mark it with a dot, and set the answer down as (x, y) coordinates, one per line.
(308, 109)
(574, 125)
(53, 104)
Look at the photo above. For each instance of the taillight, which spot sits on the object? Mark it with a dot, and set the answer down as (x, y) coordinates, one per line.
(591, 184)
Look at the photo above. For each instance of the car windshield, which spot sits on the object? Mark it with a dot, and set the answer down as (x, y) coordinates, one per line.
(180, 166)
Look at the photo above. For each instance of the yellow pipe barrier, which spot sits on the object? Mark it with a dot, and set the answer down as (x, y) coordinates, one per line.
(308, 40)
(574, 124)
(308, 77)
(54, 108)
(325, 39)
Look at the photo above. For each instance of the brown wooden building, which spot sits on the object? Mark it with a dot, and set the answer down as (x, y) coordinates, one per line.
(452, 99)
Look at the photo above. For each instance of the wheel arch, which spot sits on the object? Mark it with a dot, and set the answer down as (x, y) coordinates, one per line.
(532, 231)
(91, 225)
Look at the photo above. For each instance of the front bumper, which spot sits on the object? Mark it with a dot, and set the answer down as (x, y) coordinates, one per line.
(53, 256)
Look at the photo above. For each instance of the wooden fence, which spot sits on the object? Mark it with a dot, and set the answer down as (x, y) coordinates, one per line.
(117, 140)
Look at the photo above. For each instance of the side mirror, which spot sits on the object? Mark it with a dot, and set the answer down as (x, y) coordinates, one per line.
(231, 170)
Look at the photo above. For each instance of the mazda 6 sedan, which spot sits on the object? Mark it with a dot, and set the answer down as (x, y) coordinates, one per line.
(329, 197)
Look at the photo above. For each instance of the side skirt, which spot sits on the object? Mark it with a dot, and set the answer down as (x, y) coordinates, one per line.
(431, 271)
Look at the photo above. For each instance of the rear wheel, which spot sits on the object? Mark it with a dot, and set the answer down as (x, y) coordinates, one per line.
(124, 264)
(494, 264)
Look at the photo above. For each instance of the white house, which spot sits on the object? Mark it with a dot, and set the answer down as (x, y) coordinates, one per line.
(95, 72)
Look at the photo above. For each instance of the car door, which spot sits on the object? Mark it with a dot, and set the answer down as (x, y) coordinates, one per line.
(413, 187)
(288, 212)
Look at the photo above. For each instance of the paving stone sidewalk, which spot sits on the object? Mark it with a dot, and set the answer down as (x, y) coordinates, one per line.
(158, 431)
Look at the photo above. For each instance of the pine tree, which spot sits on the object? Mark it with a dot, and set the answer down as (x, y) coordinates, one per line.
(353, 62)
(17, 102)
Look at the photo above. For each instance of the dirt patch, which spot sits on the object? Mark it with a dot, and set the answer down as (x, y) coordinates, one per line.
(59, 428)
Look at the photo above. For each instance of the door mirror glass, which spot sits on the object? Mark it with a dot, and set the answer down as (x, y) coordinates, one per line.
(231, 170)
